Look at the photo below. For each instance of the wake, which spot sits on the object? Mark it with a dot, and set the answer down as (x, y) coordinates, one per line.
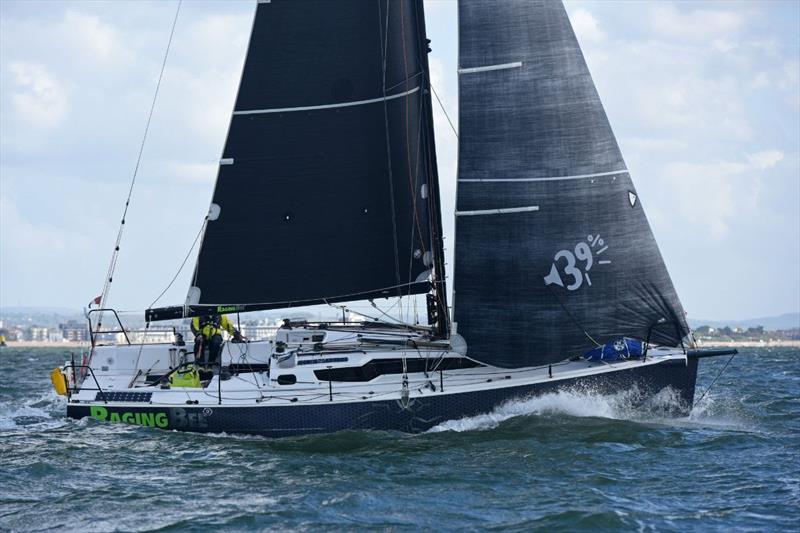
(630, 405)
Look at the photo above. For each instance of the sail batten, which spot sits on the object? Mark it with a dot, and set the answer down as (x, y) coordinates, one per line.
(533, 288)
(487, 68)
(325, 106)
(550, 178)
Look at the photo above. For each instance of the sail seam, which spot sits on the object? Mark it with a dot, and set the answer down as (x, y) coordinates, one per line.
(325, 106)
(553, 178)
(487, 68)
(497, 211)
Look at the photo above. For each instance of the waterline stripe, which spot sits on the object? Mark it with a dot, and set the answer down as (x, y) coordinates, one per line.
(497, 211)
(326, 106)
(487, 68)
(555, 178)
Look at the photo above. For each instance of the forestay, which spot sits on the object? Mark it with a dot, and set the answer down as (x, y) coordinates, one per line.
(553, 250)
(326, 187)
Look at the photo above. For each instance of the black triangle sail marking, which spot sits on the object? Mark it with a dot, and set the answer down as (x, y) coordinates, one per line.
(533, 287)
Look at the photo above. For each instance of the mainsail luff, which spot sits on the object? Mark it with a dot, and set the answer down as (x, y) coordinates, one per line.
(553, 251)
(326, 163)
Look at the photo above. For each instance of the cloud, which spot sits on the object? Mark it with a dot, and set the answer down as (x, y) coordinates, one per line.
(766, 159)
(23, 237)
(586, 27)
(703, 97)
(91, 36)
(712, 193)
(37, 97)
(667, 20)
(194, 173)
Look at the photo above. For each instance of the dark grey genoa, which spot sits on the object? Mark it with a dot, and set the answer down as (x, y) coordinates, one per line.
(390, 415)
(553, 251)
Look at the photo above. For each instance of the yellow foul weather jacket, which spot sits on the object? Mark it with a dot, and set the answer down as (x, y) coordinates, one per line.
(208, 326)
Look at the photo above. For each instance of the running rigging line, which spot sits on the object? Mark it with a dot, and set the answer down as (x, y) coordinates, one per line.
(115, 255)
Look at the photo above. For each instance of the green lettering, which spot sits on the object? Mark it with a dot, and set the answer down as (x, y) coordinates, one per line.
(161, 420)
(148, 419)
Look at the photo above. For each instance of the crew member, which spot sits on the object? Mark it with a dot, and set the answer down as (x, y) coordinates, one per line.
(207, 331)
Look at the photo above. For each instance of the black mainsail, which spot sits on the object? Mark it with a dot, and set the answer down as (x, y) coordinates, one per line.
(327, 189)
(553, 250)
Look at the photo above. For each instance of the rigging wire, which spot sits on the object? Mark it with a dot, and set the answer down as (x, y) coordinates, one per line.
(441, 105)
(115, 255)
(572, 317)
(384, 53)
(185, 259)
(715, 379)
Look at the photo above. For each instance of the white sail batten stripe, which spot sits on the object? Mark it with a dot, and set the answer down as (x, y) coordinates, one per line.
(554, 178)
(487, 68)
(497, 211)
(325, 106)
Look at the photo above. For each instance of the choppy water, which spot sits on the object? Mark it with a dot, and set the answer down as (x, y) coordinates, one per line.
(563, 461)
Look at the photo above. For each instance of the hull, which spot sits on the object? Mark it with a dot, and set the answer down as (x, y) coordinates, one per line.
(416, 415)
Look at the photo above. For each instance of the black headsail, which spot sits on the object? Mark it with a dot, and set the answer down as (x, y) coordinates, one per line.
(553, 249)
(327, 188)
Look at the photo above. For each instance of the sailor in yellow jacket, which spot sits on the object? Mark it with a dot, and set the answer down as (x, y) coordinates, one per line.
(207, 331)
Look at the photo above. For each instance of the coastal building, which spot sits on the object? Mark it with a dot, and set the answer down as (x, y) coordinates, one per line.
(37, 334)
(74, 331)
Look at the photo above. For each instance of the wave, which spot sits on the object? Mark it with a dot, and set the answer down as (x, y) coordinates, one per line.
(47, 407)
(630, 405)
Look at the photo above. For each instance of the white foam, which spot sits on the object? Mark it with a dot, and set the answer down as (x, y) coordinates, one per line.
(42, 406)
(570, 403)
(578, 403)
(656, 409)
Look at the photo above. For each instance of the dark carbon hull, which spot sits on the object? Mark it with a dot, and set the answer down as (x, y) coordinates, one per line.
(419, 415)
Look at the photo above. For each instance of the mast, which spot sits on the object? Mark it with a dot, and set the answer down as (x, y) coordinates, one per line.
(438, 314)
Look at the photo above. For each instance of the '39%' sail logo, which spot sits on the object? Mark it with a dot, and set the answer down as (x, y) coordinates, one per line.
(570, 268)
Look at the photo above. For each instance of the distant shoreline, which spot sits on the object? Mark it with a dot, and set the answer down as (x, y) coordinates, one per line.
(783, 343)
(46, 344)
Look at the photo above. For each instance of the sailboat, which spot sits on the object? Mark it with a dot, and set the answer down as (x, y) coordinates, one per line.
(327, 192)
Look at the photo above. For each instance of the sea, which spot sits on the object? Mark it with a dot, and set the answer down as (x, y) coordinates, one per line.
(561, 462)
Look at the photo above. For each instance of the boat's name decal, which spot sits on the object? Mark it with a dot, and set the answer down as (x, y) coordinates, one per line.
(229, 308)
(153, 420)
(171, 418)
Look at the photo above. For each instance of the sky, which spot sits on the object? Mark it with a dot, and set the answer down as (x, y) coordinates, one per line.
(704, 98)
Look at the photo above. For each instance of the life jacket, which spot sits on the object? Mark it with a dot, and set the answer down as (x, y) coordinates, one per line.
(211, 320)
(208, 325)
